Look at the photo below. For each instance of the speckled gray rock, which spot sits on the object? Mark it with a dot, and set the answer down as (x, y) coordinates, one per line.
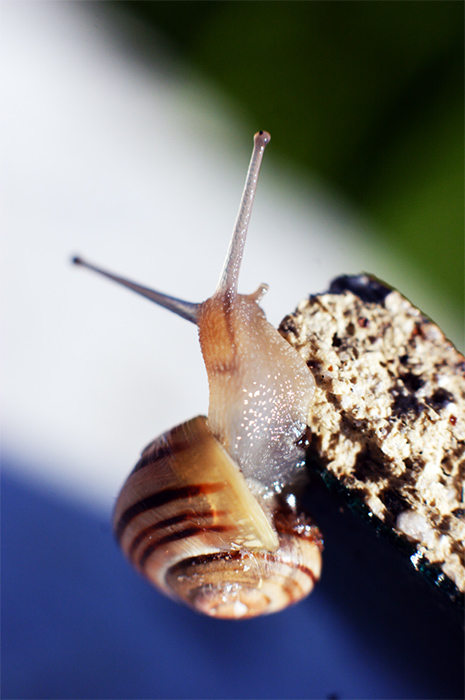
(388, 419)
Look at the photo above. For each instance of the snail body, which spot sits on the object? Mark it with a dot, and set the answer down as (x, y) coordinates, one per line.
(207, 515)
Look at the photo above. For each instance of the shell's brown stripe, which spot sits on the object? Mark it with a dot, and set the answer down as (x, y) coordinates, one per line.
(157, 451)
(179, 535)
(203, 559)
(153, 456)
(161, 498)
(169, 522)
(308, 572)
(293, 590)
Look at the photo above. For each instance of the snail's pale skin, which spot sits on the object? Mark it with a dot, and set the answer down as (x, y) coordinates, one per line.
(202, 515)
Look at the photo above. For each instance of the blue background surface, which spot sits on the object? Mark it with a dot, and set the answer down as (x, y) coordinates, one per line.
(79, 623)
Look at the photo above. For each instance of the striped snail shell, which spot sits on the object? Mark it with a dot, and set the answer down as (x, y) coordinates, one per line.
(208, 514)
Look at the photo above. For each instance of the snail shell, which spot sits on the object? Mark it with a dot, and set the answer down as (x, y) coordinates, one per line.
(203, 514)
(189, 522)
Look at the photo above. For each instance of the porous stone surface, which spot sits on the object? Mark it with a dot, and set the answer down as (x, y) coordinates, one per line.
(388, 418)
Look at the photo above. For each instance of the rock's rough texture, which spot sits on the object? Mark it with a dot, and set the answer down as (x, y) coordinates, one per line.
(388, 419)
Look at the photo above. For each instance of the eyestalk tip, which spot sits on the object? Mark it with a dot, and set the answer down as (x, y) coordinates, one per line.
(261, 138)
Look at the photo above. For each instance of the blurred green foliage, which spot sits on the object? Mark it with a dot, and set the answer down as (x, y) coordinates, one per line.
(374, 91)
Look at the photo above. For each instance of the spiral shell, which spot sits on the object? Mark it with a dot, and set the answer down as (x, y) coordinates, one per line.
(187, 519)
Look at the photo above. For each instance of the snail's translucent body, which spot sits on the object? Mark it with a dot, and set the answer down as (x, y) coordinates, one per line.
(202, 515)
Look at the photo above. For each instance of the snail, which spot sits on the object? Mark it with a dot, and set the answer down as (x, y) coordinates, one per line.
(208, 514)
